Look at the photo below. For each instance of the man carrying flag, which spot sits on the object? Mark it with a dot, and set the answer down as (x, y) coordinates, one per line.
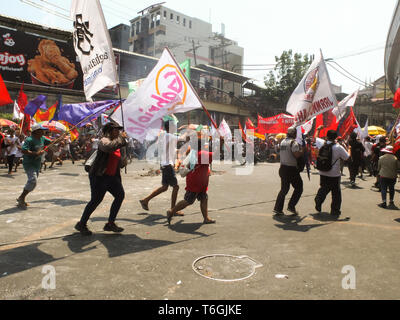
(32, 151)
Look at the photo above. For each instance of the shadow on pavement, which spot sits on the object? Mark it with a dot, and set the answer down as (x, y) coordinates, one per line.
(292, 224)
(116, 244)
(62, 202)
(149, 220)
(12, 210)
(325, 217)
(188, 228)
(69, 174)
(23, 258)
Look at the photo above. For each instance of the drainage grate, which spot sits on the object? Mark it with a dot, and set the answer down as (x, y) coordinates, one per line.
(226, 268)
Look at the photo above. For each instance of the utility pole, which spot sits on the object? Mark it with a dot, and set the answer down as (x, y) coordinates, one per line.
(194, 53)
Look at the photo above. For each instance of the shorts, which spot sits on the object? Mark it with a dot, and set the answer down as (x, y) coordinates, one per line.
(169, 176)
(191, 197)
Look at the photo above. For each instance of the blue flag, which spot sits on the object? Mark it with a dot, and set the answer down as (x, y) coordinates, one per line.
(83, 113)
(36, 104)
(58, 108)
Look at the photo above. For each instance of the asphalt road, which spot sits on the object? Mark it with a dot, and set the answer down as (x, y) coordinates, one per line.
(248, 254)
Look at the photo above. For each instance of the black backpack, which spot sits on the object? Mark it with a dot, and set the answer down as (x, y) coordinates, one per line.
(301, 162)
(324, 159)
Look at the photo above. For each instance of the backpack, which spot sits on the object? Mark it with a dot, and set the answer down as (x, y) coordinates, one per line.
(324, 159)
(301, 162)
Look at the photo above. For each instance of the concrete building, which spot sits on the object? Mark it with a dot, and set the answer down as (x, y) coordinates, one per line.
(211, 83)
(120, 36)
(392, 53)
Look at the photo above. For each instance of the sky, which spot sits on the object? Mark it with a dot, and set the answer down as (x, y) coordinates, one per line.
(351, 32)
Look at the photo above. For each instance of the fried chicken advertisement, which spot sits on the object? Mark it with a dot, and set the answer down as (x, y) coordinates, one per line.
(50, 66)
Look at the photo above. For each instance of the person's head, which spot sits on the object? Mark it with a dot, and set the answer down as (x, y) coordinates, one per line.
(353, 136)
(112, 130)
(11, 132)
(368, 139)
(331, 135)
(382, 141)
(37, 131)
(292, 133)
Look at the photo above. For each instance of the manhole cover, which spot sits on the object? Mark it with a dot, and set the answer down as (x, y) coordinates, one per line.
(222, 267)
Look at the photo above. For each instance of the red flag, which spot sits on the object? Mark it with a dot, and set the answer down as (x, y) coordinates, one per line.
(275, 125)
(25, 124)
(4, 95)
(328, 120)
(22, 100)
(396, 99)
(348, 126)
(250, 125)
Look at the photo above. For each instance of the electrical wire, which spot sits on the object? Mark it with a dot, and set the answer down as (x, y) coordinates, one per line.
(40, 7)
(343, 74)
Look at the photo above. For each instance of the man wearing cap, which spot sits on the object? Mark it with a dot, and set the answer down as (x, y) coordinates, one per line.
(105, 176)
(32, 151)
(330, 180)
(290, 150)
(388, 166)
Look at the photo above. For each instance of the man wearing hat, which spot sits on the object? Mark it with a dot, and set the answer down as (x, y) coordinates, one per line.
(290, 150)
(388, 166)
(105, 176)
(32, 151)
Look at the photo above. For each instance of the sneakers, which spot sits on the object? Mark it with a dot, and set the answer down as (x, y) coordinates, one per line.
(83, 229)
(318, 207)
(382, 205)
(293, 211)
(112, 227)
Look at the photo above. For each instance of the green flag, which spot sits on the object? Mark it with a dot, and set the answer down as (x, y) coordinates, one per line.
(133, 86)
(185, 66)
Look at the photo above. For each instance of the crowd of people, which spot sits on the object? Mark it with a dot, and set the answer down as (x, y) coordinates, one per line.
(373, 156)
(106, 153)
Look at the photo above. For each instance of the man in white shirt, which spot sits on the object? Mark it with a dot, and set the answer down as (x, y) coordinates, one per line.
(168, 155)
(330, 180)
(290, 150)
(12, 142)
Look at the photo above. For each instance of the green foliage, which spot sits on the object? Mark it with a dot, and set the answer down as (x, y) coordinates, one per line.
(7, 116)
(288, 72)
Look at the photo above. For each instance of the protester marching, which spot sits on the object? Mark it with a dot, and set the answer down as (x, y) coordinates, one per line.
(318, 137)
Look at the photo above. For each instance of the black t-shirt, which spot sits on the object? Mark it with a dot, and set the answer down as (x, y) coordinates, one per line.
(357, 150)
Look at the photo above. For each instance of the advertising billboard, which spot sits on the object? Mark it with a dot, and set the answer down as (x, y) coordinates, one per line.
(33, 59)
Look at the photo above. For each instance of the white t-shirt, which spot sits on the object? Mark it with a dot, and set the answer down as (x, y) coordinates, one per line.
(338, 152)
(368, 148)
(287, 148)
(167, 148)
(12, 145)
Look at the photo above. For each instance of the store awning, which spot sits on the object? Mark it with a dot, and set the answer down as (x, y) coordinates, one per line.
(224, 74)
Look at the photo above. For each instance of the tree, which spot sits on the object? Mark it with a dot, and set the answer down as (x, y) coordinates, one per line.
(288, 73)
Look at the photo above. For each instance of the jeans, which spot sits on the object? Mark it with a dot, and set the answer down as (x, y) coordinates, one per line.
(354, 167)
(99, 186)
(10, 161)
(385, 184)
(329, 184)
(33, 175)
(289, 176)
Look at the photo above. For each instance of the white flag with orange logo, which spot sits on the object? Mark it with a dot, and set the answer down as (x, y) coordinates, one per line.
(165, 91)
(314, 94)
